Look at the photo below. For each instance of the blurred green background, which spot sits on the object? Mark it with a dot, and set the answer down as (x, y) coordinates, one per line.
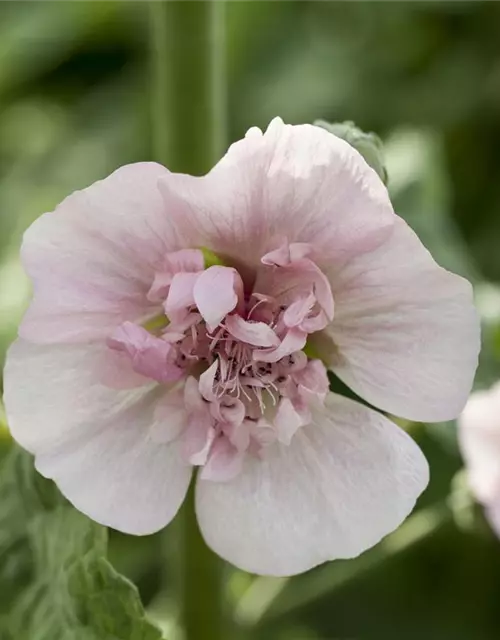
(74, 105)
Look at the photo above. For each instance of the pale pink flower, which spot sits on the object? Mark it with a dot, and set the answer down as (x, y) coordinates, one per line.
(304, 255)
(479, 438)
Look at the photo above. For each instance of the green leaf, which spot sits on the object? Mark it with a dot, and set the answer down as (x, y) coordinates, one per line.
(73, 591)
(22, 494)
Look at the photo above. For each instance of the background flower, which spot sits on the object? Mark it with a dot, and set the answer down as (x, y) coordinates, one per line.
(479, 437)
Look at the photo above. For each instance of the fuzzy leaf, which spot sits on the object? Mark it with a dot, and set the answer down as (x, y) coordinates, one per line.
(72, 590)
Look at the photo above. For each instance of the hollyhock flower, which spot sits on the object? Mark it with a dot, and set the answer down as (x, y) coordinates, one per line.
(182, 322)
(479, 438)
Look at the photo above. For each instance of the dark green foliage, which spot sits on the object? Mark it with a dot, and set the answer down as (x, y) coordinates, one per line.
(55, 580)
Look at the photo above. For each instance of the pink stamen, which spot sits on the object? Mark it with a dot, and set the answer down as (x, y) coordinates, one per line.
(258, 377)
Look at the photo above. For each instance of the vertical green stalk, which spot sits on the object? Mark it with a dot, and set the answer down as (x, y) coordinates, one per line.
(202, 595)
(189, 84)
(188, 136)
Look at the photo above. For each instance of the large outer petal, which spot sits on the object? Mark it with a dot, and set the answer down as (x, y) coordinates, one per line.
(295, 181)
(93, 259)
(343, 483)
(405, 334)
(95, 442)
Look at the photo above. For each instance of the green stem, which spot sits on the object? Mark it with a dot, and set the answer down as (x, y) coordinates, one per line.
(189, 81)
(188, 127)
(202, 614)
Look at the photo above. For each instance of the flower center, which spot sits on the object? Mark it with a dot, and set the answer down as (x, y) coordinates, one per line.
(233, 357)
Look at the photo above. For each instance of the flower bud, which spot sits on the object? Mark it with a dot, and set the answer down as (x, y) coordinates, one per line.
(368, 145)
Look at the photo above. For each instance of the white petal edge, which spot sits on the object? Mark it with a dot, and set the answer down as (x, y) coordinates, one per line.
(344, 482)
(405, 336)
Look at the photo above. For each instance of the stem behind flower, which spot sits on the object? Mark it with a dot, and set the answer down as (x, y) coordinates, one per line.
(188, 136)
(188, 84)
(202, 608)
